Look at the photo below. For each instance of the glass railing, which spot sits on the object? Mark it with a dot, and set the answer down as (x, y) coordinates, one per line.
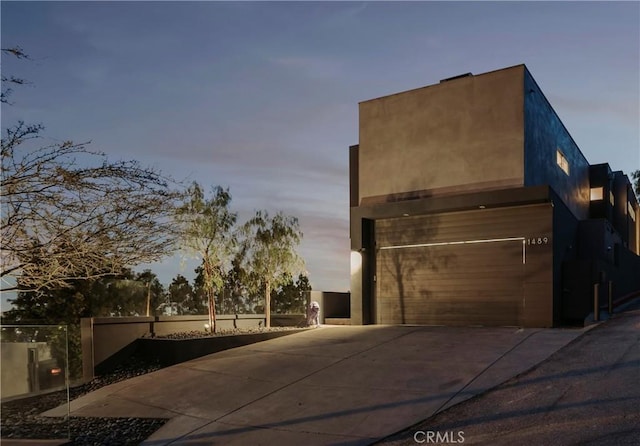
(34, 369)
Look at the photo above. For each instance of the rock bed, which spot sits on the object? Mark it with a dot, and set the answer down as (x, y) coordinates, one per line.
(224, 332)
(21, 419)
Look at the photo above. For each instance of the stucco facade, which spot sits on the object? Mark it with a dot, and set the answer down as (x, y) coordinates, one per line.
(467, 198)
(416, 127)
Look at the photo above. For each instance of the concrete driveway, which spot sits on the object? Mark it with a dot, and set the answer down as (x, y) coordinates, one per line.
(588, 393)
(336, 385)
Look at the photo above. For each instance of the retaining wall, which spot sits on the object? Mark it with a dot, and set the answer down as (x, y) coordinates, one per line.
(106, 341)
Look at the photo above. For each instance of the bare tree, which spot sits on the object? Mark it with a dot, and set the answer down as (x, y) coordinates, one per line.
(207, 232)
(8, 81)
(272, 251)
(69, 213)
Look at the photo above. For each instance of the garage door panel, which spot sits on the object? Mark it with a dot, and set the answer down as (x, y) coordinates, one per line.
(478, 282)
(447, 263)
(487, 224)
(449, 313)
(453, 285)
(402, 267)
(470, 295)
(456, 276)
(452, 256)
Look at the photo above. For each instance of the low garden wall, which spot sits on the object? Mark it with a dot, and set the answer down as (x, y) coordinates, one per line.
(107, 341)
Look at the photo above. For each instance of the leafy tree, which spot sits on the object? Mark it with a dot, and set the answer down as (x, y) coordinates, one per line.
(207, 232)
(233, 292)
(271, 247)
(154, 292)
(290, 297)
(121, 295)
(635, 175)
(181, 292)
(199, 293)
(69, 213)
(237, 296)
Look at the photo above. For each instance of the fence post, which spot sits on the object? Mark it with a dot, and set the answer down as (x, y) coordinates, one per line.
(610, 298)
(596, 306)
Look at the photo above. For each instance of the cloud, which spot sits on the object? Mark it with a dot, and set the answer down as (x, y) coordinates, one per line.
(312, 67)
(627, 111)
(345, 14)
(325, 247)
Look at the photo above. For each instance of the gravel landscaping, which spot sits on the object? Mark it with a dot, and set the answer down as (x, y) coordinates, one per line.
(223, 332)
(21, 419)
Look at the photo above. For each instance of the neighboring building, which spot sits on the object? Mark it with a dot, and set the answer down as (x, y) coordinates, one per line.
(472, 205)
(28, 368)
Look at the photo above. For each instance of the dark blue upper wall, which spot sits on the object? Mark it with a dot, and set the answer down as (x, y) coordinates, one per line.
(600, 176)
(624, 199)
(544, 134)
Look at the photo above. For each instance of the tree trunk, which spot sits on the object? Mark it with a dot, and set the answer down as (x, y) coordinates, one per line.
(212, 313)
(267, 303)
(148, 297)
(208, 279)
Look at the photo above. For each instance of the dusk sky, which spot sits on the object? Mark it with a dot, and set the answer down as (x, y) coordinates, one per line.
(263, 97)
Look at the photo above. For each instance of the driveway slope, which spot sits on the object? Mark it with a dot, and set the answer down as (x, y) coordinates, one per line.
(332, 385)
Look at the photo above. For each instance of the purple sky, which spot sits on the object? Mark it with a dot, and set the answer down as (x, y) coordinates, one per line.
(263, 97)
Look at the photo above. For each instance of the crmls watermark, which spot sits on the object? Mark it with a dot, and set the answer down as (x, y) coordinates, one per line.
(434, 437)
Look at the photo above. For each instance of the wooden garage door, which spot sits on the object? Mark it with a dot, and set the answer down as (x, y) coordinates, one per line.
(454, 269)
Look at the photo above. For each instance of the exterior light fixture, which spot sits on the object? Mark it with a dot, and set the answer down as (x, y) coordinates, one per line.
(482, 206)
(356, 262)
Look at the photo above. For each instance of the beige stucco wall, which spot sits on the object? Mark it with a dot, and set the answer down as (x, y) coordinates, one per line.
(463, 134)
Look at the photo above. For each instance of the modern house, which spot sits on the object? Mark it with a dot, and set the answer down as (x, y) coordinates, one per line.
(470, 204)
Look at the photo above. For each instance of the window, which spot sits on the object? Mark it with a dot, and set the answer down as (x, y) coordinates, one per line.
(612, 199)
(596, 193)
(562, 161)
(631, 211)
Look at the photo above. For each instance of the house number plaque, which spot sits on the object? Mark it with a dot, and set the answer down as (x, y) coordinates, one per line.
(538, 241)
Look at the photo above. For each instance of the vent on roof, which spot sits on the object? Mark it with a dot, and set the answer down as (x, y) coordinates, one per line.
(456, 77)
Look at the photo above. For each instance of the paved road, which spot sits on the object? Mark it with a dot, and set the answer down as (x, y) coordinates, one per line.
(587, 393)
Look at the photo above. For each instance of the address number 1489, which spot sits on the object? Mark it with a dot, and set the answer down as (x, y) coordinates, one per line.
(537, 240)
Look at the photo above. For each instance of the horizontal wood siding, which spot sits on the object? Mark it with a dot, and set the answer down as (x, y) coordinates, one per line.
(481, 282)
